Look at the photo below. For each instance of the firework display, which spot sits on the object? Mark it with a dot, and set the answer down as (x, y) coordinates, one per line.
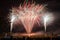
(28, 15)
(29, 18)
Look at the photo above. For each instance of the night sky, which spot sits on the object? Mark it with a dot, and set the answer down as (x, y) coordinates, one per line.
(52, 6)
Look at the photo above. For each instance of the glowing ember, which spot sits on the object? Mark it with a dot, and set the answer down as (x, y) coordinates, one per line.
(28, 14)
(28, 35)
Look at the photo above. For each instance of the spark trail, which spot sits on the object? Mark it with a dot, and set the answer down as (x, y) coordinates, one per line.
(48, 19)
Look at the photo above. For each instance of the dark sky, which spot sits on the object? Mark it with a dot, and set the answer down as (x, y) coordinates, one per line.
(52, 5)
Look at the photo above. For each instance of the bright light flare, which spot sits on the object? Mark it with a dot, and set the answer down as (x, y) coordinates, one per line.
(12, 18)
(48, 19)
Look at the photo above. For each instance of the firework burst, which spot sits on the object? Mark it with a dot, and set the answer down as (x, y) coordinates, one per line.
(28, 14)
